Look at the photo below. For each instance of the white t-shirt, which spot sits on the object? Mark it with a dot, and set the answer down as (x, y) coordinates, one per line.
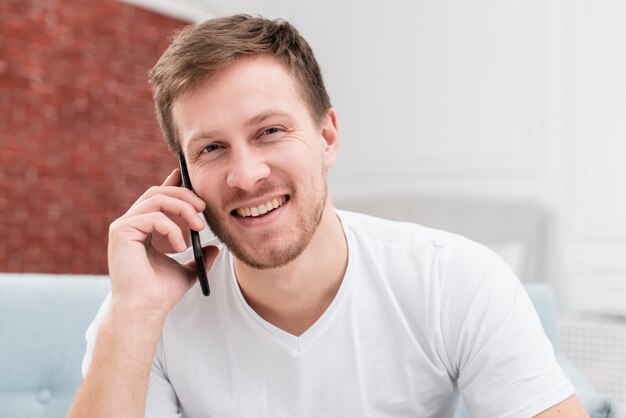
(420, 317)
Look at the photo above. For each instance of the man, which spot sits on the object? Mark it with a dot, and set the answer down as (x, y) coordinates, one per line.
(313, 312)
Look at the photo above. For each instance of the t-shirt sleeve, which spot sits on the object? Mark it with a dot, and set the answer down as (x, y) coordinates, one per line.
(161, 400)
(504, 363)
(92, 333)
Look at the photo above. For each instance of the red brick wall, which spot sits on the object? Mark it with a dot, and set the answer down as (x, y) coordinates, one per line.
(78, 137)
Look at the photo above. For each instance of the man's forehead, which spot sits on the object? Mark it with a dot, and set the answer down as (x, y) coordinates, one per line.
(256, 66)
(251, 87)
(252, 72)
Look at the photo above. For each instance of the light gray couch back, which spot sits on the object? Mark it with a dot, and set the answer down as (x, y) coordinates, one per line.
(42, 328)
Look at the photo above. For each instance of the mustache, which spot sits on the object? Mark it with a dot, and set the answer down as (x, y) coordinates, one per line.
(239, 195)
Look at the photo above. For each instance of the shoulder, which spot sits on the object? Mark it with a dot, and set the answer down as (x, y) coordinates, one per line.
(442, 270)
(446, 251)
(396, 233)
(449, 273)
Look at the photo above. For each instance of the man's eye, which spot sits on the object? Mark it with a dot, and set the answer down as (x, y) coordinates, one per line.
(210, 148)
(270, 131)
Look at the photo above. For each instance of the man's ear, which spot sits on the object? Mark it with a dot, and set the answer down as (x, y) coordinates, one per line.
(330, 133)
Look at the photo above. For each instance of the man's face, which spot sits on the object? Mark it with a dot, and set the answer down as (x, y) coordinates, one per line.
(258, 160)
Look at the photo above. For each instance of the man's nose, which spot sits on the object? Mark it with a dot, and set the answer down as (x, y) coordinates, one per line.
(246, 168)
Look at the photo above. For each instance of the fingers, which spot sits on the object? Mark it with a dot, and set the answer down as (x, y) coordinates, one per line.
(138, 229)
(177, 203)
(174, 179)
(171, 187)
(171, 206)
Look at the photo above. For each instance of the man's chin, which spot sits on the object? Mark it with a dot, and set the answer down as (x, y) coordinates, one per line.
(263, 252)
(268, 259)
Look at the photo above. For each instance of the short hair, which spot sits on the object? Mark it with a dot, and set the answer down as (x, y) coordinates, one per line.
(197, 52)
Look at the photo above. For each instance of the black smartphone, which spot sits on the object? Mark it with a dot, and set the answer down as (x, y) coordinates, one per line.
(195, 236)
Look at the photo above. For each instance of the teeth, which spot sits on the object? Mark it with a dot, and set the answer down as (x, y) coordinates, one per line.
(261, 209)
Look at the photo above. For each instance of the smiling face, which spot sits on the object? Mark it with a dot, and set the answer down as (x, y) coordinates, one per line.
(258, 159)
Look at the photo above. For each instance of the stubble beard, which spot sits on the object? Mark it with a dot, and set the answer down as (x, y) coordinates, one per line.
(270, 253)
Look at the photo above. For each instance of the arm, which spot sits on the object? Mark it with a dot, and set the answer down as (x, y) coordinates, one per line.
(145, 285)
(569, 408)
(116, 383)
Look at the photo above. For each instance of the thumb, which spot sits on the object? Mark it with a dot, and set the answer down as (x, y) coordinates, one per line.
(210, 253)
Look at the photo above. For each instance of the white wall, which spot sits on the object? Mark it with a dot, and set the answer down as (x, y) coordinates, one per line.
(597, 248)
(506, 99)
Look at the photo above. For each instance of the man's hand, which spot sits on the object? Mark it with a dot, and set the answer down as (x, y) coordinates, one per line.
(145, 285)
(143, 278)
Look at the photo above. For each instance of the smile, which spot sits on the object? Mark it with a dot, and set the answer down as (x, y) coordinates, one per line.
(261, 209)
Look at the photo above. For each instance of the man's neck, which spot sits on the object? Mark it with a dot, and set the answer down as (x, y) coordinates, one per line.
(293, 297)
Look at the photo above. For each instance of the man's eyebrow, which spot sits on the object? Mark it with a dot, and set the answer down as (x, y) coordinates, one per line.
(255, 120)
(203, 135)
(262, 117)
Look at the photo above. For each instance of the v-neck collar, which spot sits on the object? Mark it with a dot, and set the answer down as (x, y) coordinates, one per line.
(296, 343)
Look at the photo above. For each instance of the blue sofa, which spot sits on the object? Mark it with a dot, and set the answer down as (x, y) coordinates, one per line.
(43, 319)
